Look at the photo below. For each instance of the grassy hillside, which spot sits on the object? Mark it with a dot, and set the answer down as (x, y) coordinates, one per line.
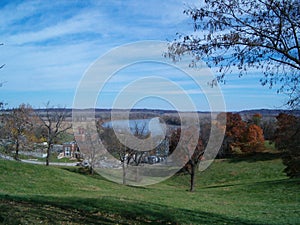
(237, 191)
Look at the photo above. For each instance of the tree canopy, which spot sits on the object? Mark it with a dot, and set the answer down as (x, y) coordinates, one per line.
(247, 35)
(287, 140)
(247, 137)
(18, 125)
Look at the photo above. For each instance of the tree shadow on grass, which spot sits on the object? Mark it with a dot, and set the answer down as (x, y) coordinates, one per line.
(85, 172)
(285, 182)
(27, 212)
(105, 210)
(255, 157)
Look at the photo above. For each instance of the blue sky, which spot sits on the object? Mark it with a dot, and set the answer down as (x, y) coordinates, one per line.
(49, 45)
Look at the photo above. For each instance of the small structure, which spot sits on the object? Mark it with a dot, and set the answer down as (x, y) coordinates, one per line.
(57, 148)
(71, 150)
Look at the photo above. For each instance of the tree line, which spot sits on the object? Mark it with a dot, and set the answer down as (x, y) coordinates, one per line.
(245, 137)
(22, 127)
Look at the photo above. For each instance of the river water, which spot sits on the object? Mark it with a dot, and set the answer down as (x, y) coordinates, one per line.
(143, 126)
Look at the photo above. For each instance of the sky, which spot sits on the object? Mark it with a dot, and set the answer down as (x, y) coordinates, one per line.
(49, 47)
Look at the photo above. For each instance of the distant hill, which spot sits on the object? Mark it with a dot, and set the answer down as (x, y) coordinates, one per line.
(269, 112)
(149, 113)
(157, 112)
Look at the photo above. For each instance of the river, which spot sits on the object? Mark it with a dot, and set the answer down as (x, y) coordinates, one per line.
(144, 126)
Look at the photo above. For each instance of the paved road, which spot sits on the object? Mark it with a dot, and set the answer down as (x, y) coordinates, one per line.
(6, 157)
(51, 163)
(38, 162)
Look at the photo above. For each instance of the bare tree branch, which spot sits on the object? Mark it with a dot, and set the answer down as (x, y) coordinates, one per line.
(246, 34)
(54, 122)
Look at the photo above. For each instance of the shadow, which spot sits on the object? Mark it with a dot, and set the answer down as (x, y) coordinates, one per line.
(105, 210)
(28, 211)
(86, 172)
(254, 157)
(286, 182)
(280, 182)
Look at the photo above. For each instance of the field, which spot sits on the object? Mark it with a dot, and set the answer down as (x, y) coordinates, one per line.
(251, 190)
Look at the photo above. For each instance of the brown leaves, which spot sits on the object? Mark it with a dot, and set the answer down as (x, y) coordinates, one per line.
(287, 139)
(248, 137)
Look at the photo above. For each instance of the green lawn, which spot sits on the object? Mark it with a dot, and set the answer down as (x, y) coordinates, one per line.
(251, 190)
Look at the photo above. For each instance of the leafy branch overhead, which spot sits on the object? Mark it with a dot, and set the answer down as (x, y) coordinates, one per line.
(247, 35)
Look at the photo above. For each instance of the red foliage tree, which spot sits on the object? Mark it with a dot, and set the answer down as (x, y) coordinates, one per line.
(287, 139)
(247, 137)
(285, 130)
(234, 133)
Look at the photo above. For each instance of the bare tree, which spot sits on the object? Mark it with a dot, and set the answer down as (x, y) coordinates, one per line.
(134, 155)
(126, 155)
(90, 146)
(247, 34)
(115, 147)
(123, 158)
(1, 83)
(17, 125)
(191, 150)
(53, 120)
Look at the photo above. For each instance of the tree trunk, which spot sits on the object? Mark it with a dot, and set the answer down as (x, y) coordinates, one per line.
(17, 150)
(48, 155)
(91, 166)
(192, 184)
(137, 174)
(91, 170)
(124, 172)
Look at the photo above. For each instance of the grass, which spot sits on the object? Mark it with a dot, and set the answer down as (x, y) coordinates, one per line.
(251, 190)
(270, 145)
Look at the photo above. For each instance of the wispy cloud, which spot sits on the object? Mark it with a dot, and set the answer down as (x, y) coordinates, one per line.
(49, 45)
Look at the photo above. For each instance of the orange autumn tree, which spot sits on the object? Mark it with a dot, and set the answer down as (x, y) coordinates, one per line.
(254, 135)
(254, 139)
(241, 136)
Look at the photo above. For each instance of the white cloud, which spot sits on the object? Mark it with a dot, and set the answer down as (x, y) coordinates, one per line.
(75, 25)
(13, 12)
(48, 45)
